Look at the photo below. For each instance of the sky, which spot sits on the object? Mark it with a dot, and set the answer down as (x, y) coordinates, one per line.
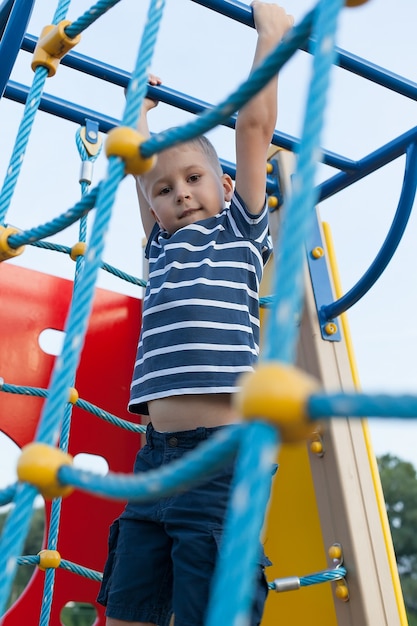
(206, 55)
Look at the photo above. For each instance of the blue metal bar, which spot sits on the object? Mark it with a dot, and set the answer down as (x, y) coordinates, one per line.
(390, 244)
(174, 98)
(347, 61)
(5, 10)
(61, 108)
(376, 74)
(85, 64)
(327, 156)
(169, 96)
(357, 169)
(14, 18)
(78, 114)
(230, 8)
(372, 162)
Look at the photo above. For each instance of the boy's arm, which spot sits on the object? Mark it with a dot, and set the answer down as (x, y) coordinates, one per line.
(148, 221)
(256, 121)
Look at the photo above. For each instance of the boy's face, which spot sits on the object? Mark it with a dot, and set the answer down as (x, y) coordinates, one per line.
(184, 187)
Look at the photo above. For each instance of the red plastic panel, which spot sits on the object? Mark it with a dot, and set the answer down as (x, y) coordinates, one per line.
(31, 303)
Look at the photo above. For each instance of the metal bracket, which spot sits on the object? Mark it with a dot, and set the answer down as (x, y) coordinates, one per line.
(320, 280)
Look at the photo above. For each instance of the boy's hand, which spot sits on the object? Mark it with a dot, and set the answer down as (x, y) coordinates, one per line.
(148, 103)
(271, 20)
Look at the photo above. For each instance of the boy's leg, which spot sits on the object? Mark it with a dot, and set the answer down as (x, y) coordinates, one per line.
(196, 549)
(194, 521)
(137, 578)
(137, 587)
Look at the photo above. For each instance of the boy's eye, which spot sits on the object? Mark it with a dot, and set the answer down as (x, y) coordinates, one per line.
(194, 178)
(164, 191)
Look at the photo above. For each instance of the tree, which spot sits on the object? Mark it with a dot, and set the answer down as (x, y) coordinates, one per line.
(399, 484)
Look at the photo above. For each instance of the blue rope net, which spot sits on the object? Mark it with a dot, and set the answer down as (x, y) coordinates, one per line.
(254, 443)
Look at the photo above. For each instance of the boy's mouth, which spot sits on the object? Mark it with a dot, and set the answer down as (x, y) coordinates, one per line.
(188, 212)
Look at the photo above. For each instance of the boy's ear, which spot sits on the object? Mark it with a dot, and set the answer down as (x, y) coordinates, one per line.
(227, 183)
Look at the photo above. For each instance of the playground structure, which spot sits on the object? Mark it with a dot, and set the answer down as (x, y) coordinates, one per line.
(332, 481)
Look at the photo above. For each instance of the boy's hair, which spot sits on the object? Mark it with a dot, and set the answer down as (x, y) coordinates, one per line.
(209, 150)
(204, 145)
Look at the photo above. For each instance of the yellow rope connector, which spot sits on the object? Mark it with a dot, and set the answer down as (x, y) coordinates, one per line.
(49, 559)
(52, 45)
(278, 393)
(78, 249)
(125, 142)
(73, 395)
(38, 465)
(6, 251)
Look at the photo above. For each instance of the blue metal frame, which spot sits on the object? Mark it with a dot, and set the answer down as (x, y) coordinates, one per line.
(389, 246)
(14, 18)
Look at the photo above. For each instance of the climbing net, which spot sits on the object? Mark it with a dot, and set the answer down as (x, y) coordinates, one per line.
(286, 416)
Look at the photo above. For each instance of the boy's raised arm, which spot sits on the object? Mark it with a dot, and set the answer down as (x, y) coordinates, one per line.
(148, 220)
(257, 119)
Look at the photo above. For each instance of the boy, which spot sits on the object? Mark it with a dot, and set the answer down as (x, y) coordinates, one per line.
(200, 331)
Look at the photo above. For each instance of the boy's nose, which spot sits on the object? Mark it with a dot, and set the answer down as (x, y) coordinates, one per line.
(182, 194)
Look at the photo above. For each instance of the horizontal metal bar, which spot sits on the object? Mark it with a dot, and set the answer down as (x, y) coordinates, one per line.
(243, 13)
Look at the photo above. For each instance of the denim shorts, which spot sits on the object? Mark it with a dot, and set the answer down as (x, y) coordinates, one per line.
(162, 553)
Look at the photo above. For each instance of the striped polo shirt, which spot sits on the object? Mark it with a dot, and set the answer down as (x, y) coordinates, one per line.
(200, 321)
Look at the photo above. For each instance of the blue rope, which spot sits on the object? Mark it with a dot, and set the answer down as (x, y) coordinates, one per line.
(182, 474)
(89, 17)
(82, 404)
(233, 584)
(81, 570)
(48, 245)
(86, 572)
(17, 523)
(330, 575)
(112, 419)
(140, 282)
(323, 577)
(58, 224)
(12, 539)
(85, 157)
(288, 287)
(7, 494)
(380, 406)
(61, 11)
(25, 127)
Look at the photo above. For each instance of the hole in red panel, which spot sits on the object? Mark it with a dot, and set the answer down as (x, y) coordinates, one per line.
(91, 462)
(51, 341)
(78, 614)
